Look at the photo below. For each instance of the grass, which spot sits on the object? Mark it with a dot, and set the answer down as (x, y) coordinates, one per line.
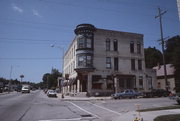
(160, 108)
(172, 117)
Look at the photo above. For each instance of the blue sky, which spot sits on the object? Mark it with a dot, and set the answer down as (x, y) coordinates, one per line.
(29, 27)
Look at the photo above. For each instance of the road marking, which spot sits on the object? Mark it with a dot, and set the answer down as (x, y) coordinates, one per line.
(83, 109)
(106, 109)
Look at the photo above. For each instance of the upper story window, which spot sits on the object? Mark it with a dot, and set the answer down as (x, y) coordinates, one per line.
(139, 48)
(108, 44)
(84, 60)
(88, 43)
(84, 42)
(132, 47)
(133, 64)
(115, 44)
(81, 42)
(108, 62)
(116, 64)
(139, 64)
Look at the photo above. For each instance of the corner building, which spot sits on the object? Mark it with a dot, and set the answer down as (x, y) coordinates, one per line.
(101, 62)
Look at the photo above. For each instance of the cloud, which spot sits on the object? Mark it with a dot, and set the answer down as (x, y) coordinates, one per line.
(36, 13)
(16, 8)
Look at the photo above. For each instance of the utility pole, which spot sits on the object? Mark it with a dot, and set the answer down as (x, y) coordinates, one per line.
(162, 42)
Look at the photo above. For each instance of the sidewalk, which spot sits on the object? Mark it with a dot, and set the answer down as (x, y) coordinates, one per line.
(74, 98)
(129, 116)
(147, 116)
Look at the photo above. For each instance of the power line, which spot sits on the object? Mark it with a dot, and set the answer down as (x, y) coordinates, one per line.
(34, 40)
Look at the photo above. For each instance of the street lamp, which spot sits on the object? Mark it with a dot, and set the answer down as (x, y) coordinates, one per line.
(61, 48)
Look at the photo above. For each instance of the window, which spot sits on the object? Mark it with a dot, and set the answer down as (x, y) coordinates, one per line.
(132, 47)
(89, 61)
(80, 61)
(115, 43)
(108, 44)
(84, 42)
(139, 48)
(108, 62)
(133, 64)
(116, 64)
(88, 43)
(81, 42)
(85, 60)
(140, 82)
(139, 64)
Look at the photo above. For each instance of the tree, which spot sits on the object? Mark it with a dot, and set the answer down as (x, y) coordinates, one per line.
(45, 79)
(153, 57)
(50, 80)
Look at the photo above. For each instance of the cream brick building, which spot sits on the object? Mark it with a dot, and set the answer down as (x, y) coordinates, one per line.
(101, 62)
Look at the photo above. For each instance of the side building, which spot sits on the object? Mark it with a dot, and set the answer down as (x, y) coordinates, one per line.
(101, 62)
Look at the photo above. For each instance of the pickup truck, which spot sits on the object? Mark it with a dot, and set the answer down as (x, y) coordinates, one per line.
(129, 93)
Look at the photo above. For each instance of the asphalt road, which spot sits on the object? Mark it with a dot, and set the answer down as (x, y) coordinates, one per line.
(36, 106)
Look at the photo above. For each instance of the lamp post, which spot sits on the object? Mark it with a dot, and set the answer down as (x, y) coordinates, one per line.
(61, 48)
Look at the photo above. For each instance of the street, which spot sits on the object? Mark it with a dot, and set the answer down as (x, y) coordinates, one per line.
(36, 106)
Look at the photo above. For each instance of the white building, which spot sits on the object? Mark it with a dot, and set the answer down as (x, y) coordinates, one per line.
(178, 6)
(101, 62)
(161, 84)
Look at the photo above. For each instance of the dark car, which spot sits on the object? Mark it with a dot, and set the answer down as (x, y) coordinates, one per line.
(129, 93)
(156, 93)
(177, 97)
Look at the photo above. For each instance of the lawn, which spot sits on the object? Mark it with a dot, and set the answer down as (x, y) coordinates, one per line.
(172, 117)
(160, 108)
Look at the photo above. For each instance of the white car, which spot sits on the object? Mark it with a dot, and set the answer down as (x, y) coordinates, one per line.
(51, 93)
(25, 89)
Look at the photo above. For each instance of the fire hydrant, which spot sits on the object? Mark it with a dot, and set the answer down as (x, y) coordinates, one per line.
(136, 119)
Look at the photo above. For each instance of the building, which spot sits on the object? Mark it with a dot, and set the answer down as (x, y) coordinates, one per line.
(101, 62)
(161, 84)
(178, 6)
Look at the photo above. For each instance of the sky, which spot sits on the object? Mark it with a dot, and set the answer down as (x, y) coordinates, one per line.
(28, 28)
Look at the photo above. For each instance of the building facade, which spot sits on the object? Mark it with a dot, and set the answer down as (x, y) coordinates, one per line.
(161, 84)
(101, 62)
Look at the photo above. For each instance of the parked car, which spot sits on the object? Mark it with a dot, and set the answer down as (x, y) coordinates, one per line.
(51, 93)
(129, 93)
(156, 93)
(1, 90)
